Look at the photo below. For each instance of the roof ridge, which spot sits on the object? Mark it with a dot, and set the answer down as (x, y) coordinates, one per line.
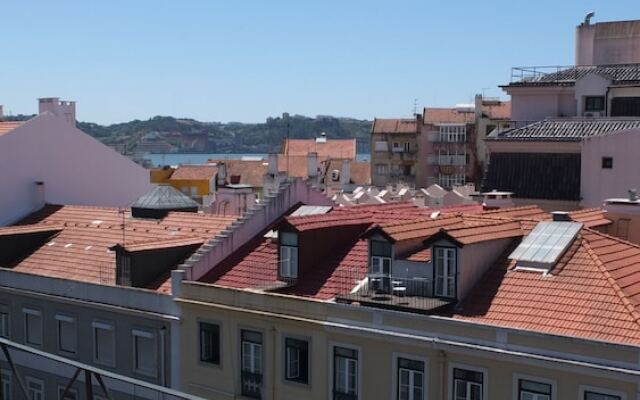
(620, 240)
(616, 288)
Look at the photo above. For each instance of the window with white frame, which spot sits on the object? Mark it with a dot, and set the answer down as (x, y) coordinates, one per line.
(288, 255)
(381, 169)
(6, 385)
(345, 373)
(145, 352)
(451, 180)
(32, 326)
(453, 133)
(296, 355)
(104, 345)
(445, 271)
(594, 395)
(381, 146)
(410, 379)
(72, 394)
(35, 388)
(533, 390)
(467, 384)
(380, 258)
(251, 363)
(67, 334)
(4, 320)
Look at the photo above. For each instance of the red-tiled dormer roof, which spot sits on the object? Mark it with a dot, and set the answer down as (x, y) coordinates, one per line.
(79, 247)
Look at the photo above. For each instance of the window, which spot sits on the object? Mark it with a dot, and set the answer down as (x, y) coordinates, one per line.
(194, 190)
(35, 388)
(345, 373)
(410, 379)
(72, 394)
(104, 344)
(296, 356)
(625, 107)
(453, 133)
(288, 255)
(607, 162)
(32, 326)
(209, 343)
(67, 334)
(5, 385)
(251, 360)
(145, 353)
(445, 270)
(380, 257)
(451, 180)
(467, 384)
(589, 395)
(381, 146)
(594, 103)
(531, 390)
(4, 321)
(381, 169)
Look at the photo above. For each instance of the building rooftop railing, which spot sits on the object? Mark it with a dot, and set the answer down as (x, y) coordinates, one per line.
(545, 73)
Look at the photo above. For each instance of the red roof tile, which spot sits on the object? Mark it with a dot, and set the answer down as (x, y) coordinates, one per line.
(448, 116)
(331, 148)
(395, 126)
(80, 251)
(194, 172)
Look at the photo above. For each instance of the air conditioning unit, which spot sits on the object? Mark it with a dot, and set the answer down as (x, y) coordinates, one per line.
(592, 114)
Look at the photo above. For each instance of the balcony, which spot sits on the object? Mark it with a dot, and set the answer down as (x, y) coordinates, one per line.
(396, 293)
(251, 384)
(545, 74)
(460, 159)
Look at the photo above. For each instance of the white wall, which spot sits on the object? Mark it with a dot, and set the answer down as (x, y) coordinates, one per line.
(596, 183)
(590, 85)
(75, 169)
(536, 104)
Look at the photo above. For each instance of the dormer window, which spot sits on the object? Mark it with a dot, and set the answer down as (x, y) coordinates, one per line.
(445, 271)
(380, 258)
(288, 255)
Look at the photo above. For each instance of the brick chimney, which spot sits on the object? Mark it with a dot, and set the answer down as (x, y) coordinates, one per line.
(62, 109)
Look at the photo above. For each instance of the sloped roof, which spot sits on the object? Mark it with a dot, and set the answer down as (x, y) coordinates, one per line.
(395, 125)
(194, 172)
(566, 129)
(498, 110)
(251, 172)
(164, 197)
(359, 171)
(79, 248)
(328, 148)
(447, 116)
(8, 126)
(618, 73)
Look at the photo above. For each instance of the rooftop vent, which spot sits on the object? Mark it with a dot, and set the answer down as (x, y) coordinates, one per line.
(561, 216)
(542, 248)
(161, 200)
(633, 195)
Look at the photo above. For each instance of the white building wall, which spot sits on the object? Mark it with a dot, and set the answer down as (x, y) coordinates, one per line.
(597, 183)
(75, 169)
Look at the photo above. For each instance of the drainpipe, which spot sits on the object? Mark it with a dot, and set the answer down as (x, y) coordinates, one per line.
(606, 102)
(163, 340)
(442, 356)
(273, 362)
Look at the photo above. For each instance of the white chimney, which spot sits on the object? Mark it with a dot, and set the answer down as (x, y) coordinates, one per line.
(222, 174)
(312, 164)
(345, 175)
(39, 197)
(1, 112)
(273, 164)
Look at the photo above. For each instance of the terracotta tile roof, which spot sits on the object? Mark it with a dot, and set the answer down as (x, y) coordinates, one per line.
(360, 171)
(331, 148)
(294, 166)
(498, 110)
(447, 116)
(591, 293)
(27, 229)
(8, 126)
(420, 228)
(329, 220)
(485, 232)
(251, 172)
(194, 172)
(164, 244)
(591, 217)
(81, 250)
(421, 255)
(566, 129)
(395, 125)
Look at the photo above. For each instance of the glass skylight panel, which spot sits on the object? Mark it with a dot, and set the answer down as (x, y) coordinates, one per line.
(546, 243)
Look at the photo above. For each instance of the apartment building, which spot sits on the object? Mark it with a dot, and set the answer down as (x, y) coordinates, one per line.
(394, 151)
(395, 302)
(447, 147)
(48, 159)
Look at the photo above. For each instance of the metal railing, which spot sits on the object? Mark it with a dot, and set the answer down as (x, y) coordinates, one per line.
(251, 384)
(545, 73)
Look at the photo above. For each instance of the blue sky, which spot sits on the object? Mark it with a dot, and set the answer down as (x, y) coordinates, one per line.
(247, 60)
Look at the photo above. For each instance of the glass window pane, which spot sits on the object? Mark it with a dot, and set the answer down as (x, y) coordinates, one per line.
(288, 238)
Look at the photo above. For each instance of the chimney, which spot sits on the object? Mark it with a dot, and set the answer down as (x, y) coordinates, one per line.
(312, 164)
(273, 164)
(39, 198)
(63, 109)
(221, 176)
(1, 112)
(495, 199)
(585, 38)
(345, 175)
(561, 216)
(633, 195)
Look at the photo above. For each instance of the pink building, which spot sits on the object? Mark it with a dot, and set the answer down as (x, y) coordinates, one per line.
(48, 160)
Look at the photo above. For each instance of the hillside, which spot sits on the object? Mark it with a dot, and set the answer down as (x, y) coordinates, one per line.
(167, 134)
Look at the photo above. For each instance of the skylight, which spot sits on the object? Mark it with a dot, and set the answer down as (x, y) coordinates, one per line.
(543, 247)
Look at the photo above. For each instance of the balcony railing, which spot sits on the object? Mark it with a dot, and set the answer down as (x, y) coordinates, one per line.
(547, 73)
(344, 396)
(251, 384)
(452, 160)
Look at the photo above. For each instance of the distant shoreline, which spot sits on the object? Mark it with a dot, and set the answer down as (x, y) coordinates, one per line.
(162, 159)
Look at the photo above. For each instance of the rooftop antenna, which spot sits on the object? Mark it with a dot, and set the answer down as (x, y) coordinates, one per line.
(587, 18)
(415, 106)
